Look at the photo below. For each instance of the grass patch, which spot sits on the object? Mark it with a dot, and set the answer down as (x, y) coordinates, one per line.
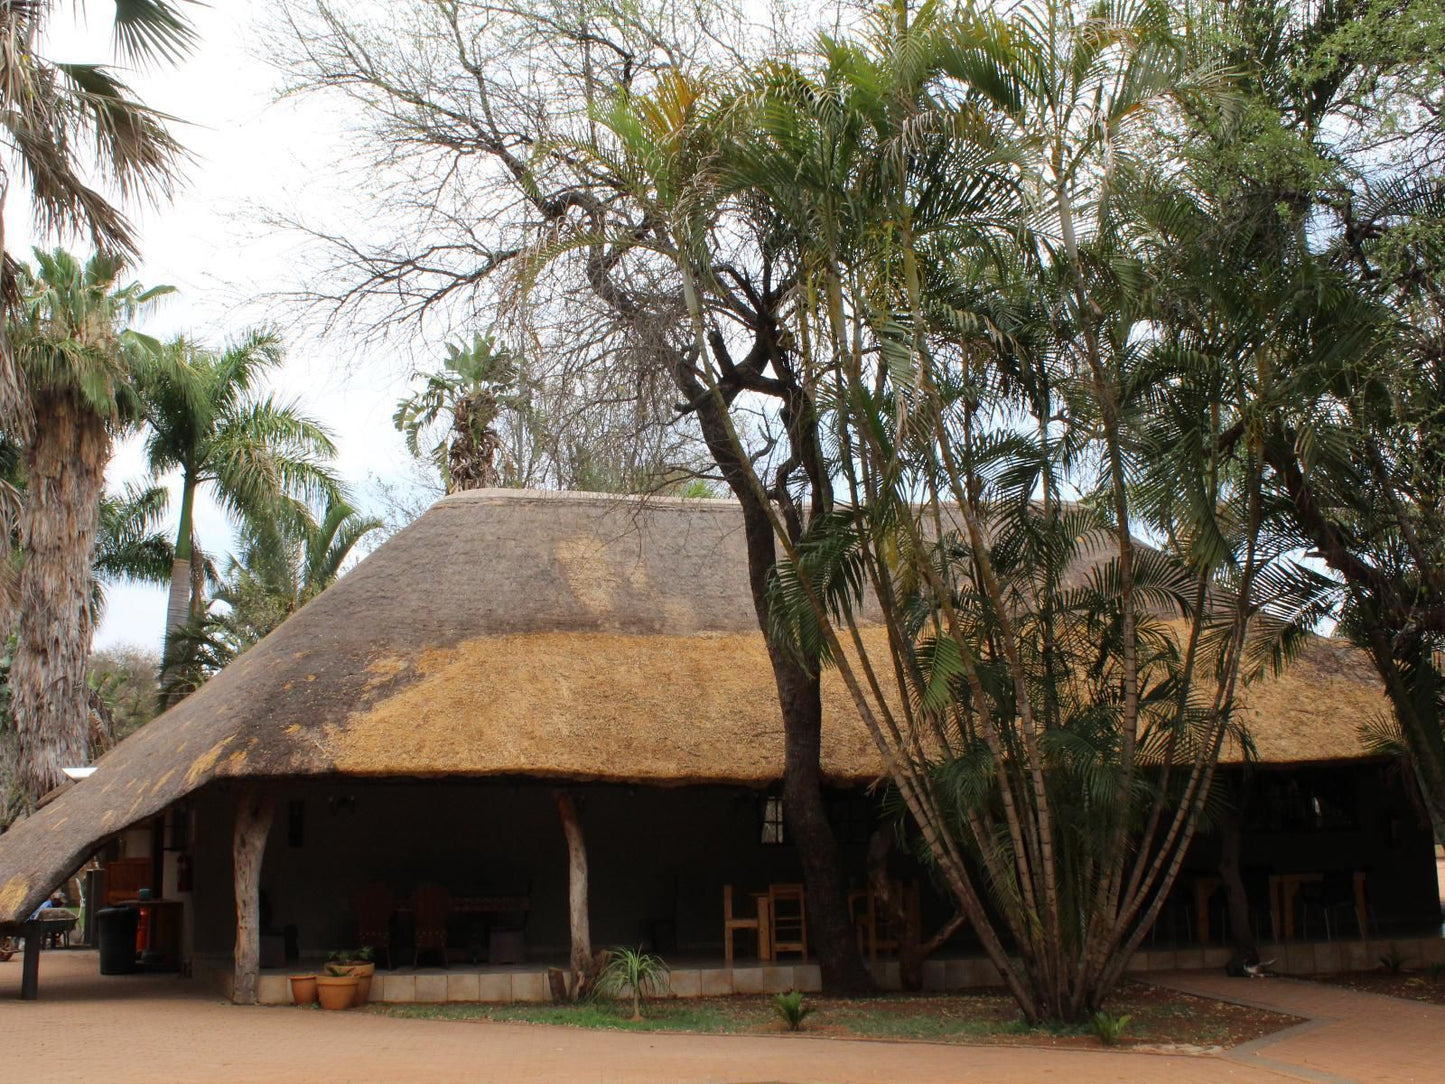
(1157, 1016)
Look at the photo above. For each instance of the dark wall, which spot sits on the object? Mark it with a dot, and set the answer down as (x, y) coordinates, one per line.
(1308, 819)
(663, 855)
(654, 855)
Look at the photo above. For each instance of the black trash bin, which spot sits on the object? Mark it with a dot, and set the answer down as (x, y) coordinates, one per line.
(116, 927)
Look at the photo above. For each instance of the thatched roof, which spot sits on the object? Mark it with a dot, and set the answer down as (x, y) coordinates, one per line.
(561, 636)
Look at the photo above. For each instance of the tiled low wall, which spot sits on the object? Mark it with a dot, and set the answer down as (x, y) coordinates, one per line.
(463, 984)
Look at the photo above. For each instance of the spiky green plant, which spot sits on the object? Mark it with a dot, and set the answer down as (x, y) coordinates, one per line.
(634, 973)
(1109, 1027)
(791, 1009)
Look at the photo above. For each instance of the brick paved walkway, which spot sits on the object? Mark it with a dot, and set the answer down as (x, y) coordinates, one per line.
(1350, 1036)
(159, 1028)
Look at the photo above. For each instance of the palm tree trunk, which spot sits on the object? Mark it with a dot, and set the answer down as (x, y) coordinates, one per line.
(179, 600)
(65, 469)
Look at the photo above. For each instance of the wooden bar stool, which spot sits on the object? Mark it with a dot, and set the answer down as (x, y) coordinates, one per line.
(789, 912)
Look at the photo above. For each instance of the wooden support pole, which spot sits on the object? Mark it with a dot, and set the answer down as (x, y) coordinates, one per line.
(253, 823)
(30, 963)
(581, 959)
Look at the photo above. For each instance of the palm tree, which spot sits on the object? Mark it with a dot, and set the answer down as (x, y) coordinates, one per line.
(78, 362)
(283, 565)
(471, 387)
(257, 455)
(64, 122)
(289, 565)
(130, 546)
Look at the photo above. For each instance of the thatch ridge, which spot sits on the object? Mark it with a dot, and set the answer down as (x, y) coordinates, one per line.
(554, 635)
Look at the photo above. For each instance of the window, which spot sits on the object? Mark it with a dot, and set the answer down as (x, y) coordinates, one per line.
(773, 828)
(851, 816)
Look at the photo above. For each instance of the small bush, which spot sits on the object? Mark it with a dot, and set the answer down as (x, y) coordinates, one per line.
(1110, 1028)
(1392, 961)
(790, 1007)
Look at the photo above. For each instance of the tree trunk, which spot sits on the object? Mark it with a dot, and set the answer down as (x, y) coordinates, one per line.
(581, 956)
(912, 949)
(179, 600)
(65, 478)
(800, 700)
(253, 824)
(1241, 930)
(830, 932)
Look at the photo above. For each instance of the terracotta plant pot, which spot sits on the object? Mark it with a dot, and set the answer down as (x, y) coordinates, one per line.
(363, 973)
(303, 989)
(336, 991)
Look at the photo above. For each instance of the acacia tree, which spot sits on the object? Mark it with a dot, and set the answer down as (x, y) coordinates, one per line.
(504, 125)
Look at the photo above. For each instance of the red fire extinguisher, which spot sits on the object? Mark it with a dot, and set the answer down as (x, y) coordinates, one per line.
(143, 929)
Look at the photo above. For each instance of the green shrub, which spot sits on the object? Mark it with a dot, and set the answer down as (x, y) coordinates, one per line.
(1110, 1028)
(791, 1008)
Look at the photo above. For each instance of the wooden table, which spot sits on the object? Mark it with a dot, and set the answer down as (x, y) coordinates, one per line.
(1283, 889)
(764, 902)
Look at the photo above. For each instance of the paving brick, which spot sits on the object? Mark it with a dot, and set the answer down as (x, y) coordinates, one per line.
(749, 980)
(273, 990)
(494, 987)
(716, 981)
(464, 987)
(1356, 1036)
(808, 978)
(401, 988)
(1217, 957)
(685, 982)
(530, 986)
(1299, 959)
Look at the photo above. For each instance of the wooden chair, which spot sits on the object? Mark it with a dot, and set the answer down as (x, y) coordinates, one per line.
(788, 911)
(374, 907)
(876, 929)
(432, 908)
(732, 924)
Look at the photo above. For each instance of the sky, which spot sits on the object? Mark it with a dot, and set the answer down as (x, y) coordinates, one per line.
(253, 156)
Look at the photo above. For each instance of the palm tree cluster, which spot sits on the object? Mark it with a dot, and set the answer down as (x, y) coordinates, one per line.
(203, 414)
(1052, 339)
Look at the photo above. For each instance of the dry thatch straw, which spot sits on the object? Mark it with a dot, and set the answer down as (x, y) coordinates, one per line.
(556, 636)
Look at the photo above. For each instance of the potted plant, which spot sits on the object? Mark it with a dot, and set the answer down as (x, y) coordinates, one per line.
(303, 989)
(358, 962)
(337, 988)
